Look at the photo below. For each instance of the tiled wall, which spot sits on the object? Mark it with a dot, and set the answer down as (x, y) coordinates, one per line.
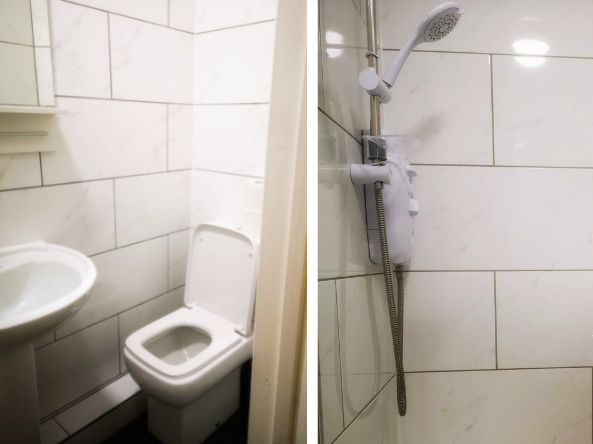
(154, 98)
(498, 313)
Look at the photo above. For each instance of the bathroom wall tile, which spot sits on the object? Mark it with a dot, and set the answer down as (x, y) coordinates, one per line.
(142, 315)
(180, 134)
(182, 14)
(45, 340)
(544, 319)
(226, 61)
(542, 113)
(45, 79)
(154, 11)
(18, 85)
(178, 251)
(40, 19)
(511, 407)
(218, 196)
(343, 46)
(15, 17)
(449, 321)
(150, 63)
(153, 205)
(80, 50)
(19, 171)
(51, 433)
(320, 96)
(479, 218)
(78, 216)
(69, 368)
(358, 391)
(492, 26)
(217, 14)
(136, 142)
(343, 244)
(238, 131)
(443, 99)
(126, 277)
(331, 407)
(328, 339)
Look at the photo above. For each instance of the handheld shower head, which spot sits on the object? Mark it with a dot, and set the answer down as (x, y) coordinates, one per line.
(437, 24)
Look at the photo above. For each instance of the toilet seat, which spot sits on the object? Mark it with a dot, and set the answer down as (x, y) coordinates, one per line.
(219, 330)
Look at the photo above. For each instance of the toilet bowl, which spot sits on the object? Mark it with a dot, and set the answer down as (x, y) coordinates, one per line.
(188, 362)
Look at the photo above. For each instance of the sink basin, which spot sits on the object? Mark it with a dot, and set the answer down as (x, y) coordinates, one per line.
(41, 286)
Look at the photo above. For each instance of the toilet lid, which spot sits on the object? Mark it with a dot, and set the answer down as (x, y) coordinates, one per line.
(222, 273)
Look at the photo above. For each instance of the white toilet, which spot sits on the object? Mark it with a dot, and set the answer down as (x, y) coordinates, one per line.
(188, 362)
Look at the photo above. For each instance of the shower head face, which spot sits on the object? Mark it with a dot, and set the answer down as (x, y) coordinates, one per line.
(441, 21)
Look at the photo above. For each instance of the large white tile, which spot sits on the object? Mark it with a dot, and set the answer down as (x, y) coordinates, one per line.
(343, 243)
(217, 14)
(178, 251)
(80, 39)
(331, 407)
(107, 138)
(138, 317)
(238, 131)
(544, 319)
(182, 14)
(78, 216)
(180, 136)
(98, 404)
(494, 26)
(70, 368)
(40, 21)
(148, 10)
(45, 79)
(343, 46)
(234, 65)
(149, 62)
(18, 85)
(153, 205)
(51, 433)
(480, 218)
(443, 99)
(15, 22)
(19, 171)
(126, 277)
(511, 407)
(542, 114)
(328, 339)
(219, 196)
(449, 321)
(358, 391)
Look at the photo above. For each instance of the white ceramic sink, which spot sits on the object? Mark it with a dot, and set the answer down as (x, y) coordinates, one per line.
(41, 286)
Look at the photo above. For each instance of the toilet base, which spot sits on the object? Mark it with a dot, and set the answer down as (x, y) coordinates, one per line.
(195, 422)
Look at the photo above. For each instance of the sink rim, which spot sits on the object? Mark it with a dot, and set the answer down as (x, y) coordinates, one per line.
(87, 281)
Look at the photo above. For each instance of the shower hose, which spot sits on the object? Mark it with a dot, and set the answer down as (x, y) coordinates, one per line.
(396, 314)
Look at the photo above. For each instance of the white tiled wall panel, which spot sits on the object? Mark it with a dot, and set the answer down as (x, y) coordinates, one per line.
(69, 368)
(499, 27)
(483, 218)
(343, 46)
(449, 321)
(150, 63)
(45, 79)
(543, 113)
(19, 171)
(78, 216)
(154, 11)
(126, 277)
(136, 318)
(231, 138)
(18, 85)
(80, 43)
(443, 99)
(52, 433)
(182, 14)
(358, 391)
(136, 142)
(511, 407)
(329, 347)
(180, 136)
(544, 319)
(178, 251)
(15, 16)
(343, 244)
(226, 61)
(152, 205)
(218, 14)
(331, 407)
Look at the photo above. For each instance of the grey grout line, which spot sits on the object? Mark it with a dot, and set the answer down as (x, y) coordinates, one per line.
(21, 44)
(230, 174)
(110, 65)
(339, 278)
(34, 57)
(539, 167)
(492, 107)
(235, 26)
(168, 264)
(137, 243)
(60, 426)
(114, 215)
(497, 54)
(40, 170)
(169, 13)
(95, 180)
(495, 324)
(127, 16)
(337, 320)
(568, 367)
(339, 125)
(160, 103)
(167, 137)
(118, 346)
